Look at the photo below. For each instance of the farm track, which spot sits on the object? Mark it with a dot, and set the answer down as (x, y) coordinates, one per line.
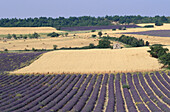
(60, 93)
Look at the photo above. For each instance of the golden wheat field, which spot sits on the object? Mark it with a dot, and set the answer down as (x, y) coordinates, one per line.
(94, 61)
(26, 30)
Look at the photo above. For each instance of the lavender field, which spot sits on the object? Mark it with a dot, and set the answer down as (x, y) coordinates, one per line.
(85, 93)
(160, 33)
(12, 61)
(97, 27)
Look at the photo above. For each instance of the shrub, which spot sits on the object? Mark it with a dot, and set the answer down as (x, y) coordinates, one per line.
(104, 43)
(91, 45)
(5, 49)
(93, 35)
(100, 34)
(126, 86)
(158, 23)
(93, 30)
(53, 34)
(55, 47)
(113, 29)
(148, 26)
(165, 59)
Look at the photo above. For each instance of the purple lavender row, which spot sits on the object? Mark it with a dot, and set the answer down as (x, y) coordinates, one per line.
(144, 96)
(92, 101)
(82, 101)
(76, 97)
(156, 90)
(22, 99)
(101, 99)
(159, 85)
(68, 97)
(136, 97)
(166, 76)
(12, 61)
(162, 80)
(129, 102)
(7, 98)
(149, 92)
(111, 101)
(35, 105)
(57, 94)
(17, 89)
(119, 98)
(31, 96)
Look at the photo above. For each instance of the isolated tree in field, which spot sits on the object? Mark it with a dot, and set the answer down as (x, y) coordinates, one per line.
(9, 36)
(165, 60)
(104, 43)
(100, 34)
(14, 36)
(147, 43)
(36, 35)
(55, 47)
(66, 34)
(158, 23)
(93, 35)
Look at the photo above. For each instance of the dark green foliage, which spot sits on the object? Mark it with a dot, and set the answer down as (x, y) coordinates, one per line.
(8, 36)
(113, 29)
(79, 21)
(53, 34)
(165, 59)
(55, 47)
(134, 42)
(126, 86)
(93, 30)
(159, 23)
(91, 45)
(147, 43)
(66, 34)
(148, 26)
(157, 51)
(100, 34)
(93, 35)
(5, 49)
(104, 43)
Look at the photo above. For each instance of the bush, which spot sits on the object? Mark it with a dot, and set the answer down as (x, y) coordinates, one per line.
(104, 43)
(148, 26)
(53, 34)
(126, 86)
(5, 49)
(93, 35)
(93, 30)
(91, 45)
(165, 59)
(55, 47)
(113, 29)
(159, 24)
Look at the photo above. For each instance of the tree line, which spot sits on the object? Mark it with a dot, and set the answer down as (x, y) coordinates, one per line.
(163, 55)
(132, 41)
(80, 21)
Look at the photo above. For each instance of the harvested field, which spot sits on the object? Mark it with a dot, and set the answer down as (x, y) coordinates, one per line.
(26, 30)
(94, 61)
(46, 43)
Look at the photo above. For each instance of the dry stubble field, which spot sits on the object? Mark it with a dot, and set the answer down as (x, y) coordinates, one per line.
(94, 61)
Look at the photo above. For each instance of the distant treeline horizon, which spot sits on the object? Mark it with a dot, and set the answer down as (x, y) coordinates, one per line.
(80, 21)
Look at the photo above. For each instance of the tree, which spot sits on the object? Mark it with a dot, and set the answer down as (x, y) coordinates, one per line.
(147, 43)
(9, 36)
(104, 43)
(93, 30)
(100, 34)
(93, 36)
(66, 34)
(165, 59)
(91, 45)
(157, 51)
(14, 36)
(55, 47)
(158, 23)
(36, 35)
